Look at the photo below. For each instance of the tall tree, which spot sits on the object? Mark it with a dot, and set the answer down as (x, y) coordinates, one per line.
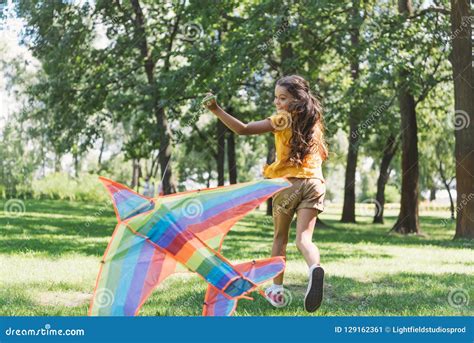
(348, 208)
(389, 151)
(231, 158)
(463, 74)
(149, 64)
(408, 220)
(221, 130)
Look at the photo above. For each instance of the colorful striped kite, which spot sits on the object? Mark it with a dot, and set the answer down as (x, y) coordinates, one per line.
(154, 237)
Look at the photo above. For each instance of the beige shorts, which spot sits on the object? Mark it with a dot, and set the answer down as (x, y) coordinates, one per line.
(304, 193)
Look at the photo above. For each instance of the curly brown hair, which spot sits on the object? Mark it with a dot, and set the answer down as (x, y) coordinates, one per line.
(307, 120)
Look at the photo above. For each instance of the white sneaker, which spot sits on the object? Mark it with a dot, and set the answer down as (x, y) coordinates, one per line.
(275, 297)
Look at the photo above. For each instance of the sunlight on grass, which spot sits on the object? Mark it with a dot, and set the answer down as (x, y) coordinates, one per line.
(49, 259)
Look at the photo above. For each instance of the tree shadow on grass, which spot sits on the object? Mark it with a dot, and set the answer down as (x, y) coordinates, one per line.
(399, 294)
(65, 207)
(60, 226)
(52, 246)
(37, 232)
(77, 230)
(53, 236)
(379, 234)
(405, 294)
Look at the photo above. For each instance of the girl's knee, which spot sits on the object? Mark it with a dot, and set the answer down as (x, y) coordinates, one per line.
(281, 234)
(280, 239)
(302, 242)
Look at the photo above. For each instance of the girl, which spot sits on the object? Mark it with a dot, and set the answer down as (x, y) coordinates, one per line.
(300, 149)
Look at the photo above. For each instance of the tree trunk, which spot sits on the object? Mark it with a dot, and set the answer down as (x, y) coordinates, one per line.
(209, 173)
(139, 175)
(221, 129)
(164, 157)
(348, 208)
(408, 220)
(154, 166)
(451, 201)
(163, 129)
(463, 75)
(270, 160)
(287, 55)
(135, 173)
(231, 159)
(101, 153)
(389, 151)
(446, 183)
(75, 157)
(433, 193)
(57, 162)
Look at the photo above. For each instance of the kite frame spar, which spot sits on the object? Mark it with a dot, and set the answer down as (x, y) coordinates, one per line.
(216, 252)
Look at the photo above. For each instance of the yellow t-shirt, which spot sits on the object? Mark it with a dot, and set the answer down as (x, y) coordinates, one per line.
(312, 164)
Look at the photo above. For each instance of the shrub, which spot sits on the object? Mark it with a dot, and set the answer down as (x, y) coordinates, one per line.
(86, 187)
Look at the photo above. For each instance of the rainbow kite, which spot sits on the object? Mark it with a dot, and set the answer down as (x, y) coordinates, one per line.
(154, 237)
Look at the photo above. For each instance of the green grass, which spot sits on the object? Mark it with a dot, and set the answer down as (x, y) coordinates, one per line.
(49, 259)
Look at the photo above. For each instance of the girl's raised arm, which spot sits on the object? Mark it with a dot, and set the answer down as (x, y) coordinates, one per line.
(252, 128)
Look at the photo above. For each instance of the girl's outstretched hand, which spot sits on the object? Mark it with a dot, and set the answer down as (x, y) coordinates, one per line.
(210, 101)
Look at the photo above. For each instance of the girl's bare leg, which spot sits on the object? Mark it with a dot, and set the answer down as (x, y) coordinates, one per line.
(304, 241)
(306, 220)
(282, 222)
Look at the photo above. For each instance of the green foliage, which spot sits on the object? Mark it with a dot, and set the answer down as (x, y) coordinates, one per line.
(392, 194)
(17, 163)
(91, 92)
(437, 128)
(67, 91)
(20, 154)
(61, 186)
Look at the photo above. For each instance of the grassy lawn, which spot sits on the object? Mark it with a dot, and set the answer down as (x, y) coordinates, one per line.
(49, 259)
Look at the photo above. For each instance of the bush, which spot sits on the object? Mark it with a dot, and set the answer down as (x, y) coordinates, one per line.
(61, 186)
(392, 194)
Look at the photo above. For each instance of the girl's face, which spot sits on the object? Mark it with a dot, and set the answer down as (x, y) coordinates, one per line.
(282, 98)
